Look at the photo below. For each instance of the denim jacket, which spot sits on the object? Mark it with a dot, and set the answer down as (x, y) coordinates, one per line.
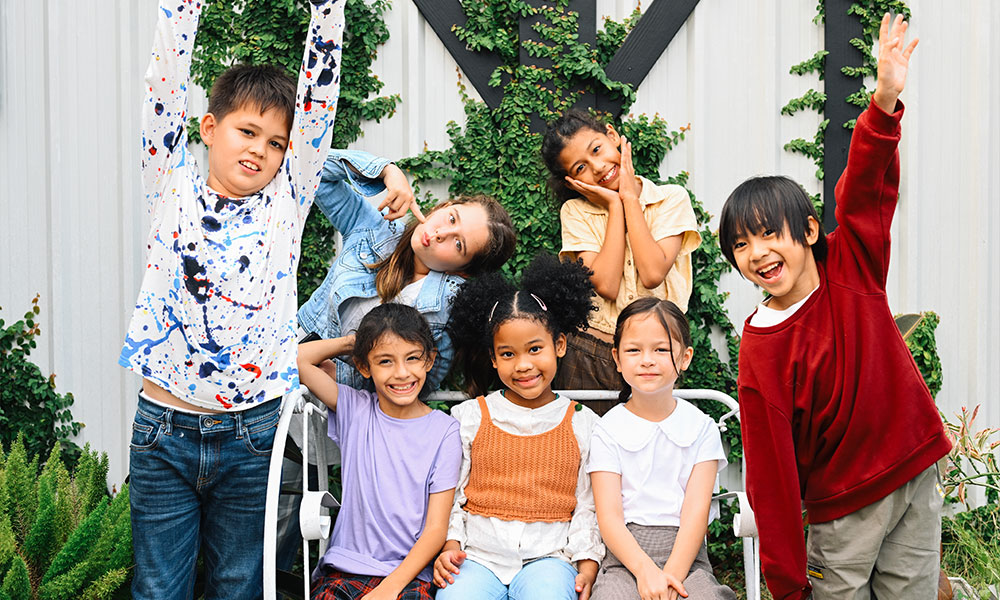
(368, 238)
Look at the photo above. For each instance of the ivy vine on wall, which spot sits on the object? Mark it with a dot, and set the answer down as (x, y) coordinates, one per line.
(869, 12)
(496, 152)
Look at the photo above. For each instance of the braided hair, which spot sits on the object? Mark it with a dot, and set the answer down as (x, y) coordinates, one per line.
(558, 295)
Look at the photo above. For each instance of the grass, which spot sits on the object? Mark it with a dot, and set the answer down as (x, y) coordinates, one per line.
(972, 547)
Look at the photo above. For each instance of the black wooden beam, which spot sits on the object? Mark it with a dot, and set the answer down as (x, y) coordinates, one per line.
(840, 28)
(442, 15)
(586, 32)
(644, 46)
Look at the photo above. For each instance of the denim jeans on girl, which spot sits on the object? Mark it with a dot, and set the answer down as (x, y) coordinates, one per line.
(542, 579)
(197, 482)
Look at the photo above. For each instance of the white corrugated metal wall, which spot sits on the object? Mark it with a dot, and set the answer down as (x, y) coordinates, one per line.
(72, 225)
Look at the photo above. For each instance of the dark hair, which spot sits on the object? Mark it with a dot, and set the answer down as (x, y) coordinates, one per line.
(555, 294)
(399, 319)
(556, 136)
(768, 203)
(671, 317)
(260, 86)
(395, 271)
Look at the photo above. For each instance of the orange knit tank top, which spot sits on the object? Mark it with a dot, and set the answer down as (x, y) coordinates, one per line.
(526, 478)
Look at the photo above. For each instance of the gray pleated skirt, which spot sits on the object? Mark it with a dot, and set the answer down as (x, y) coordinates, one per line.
(615, 582)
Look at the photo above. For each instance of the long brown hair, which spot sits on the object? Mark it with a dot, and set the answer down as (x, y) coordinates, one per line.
(396, 271)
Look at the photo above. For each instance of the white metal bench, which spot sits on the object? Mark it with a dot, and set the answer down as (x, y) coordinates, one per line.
(314, 513)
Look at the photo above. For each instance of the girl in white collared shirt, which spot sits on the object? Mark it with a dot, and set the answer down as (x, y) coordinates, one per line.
(653, 466)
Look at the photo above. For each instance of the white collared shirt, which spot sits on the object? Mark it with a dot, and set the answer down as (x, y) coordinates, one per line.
(655, 459)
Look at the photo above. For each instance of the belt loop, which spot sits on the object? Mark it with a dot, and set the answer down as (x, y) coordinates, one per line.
(238, 418)
(168, 421)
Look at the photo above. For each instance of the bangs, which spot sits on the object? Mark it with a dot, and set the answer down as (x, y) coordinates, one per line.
(763, 203)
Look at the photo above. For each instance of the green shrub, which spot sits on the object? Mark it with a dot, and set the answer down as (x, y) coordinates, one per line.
(972, 547)
(60, 537)
(29, 403)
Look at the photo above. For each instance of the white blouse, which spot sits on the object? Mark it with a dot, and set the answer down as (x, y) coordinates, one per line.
(505, 546)
(655, 459)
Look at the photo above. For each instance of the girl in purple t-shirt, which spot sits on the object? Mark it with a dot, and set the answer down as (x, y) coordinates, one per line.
(399, 460)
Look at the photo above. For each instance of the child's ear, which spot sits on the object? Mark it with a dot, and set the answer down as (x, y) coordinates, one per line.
(812, 233)
(207, 129)
(431, 357)
(609, 130)
(561, 345)
(363, 368)
(686, 359)
(618, 363)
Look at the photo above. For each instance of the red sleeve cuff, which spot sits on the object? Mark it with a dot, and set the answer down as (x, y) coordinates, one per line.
(881, 121)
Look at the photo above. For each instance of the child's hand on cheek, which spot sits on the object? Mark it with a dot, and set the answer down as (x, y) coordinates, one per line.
(586, 577)
(893, 62)
(595, 194)
(628, 186)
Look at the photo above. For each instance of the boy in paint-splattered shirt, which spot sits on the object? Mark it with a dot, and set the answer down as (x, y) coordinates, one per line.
(213, 330)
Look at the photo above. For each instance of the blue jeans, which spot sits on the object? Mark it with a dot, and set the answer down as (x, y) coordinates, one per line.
(198, 482)
(542, 579)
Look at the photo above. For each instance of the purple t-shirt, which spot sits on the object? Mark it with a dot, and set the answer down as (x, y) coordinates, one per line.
(389, 467)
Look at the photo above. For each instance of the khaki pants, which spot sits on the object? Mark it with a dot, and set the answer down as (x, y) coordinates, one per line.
(889, 549)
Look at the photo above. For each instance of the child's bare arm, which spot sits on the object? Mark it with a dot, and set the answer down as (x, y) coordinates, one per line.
(694, 519)
(650, 580)
(315, 100)
(893, 62)
(429, 543)
(653, 258)
(164, 108)
(608, 263)
(311, 355)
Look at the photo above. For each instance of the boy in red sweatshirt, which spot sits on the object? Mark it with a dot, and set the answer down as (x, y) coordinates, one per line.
(834, 412)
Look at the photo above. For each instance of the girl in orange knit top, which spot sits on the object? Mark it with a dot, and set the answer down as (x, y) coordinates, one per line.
(523, 521)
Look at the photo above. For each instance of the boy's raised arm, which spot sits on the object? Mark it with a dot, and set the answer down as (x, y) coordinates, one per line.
(164, 110)
(315, 101)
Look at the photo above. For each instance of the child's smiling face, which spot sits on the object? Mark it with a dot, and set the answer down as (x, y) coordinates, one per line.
(775, 261)
(398, 368)
(646, 356)
(525, 356)
(245, 149)
(593, 157)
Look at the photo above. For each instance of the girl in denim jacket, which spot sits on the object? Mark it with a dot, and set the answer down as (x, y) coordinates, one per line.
(382, 259)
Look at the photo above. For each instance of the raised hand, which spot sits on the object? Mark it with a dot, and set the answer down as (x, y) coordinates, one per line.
(628, 185)
(893, 61)
(398, 195)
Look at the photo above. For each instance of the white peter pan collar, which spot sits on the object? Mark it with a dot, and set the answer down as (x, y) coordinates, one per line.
(630, 431)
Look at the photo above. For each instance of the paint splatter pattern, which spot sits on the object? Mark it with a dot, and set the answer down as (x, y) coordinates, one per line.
(214, 322)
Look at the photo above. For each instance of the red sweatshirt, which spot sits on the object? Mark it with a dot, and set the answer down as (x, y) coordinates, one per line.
(834, 411)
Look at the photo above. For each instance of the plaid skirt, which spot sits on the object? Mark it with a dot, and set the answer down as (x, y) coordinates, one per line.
(334, 585)
(616, 582)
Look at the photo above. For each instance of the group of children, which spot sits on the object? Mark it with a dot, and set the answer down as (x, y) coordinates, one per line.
(520, 492)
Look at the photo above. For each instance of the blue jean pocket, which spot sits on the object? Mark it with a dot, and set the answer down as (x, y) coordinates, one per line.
(259, 437)
(146, 433)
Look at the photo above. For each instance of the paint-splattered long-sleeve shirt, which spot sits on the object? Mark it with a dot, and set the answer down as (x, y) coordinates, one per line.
(214, 323)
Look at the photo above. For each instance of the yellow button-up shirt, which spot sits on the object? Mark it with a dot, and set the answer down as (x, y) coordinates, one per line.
(667, 210)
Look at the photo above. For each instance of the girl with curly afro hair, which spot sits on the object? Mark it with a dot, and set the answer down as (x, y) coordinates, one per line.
(523, 520)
